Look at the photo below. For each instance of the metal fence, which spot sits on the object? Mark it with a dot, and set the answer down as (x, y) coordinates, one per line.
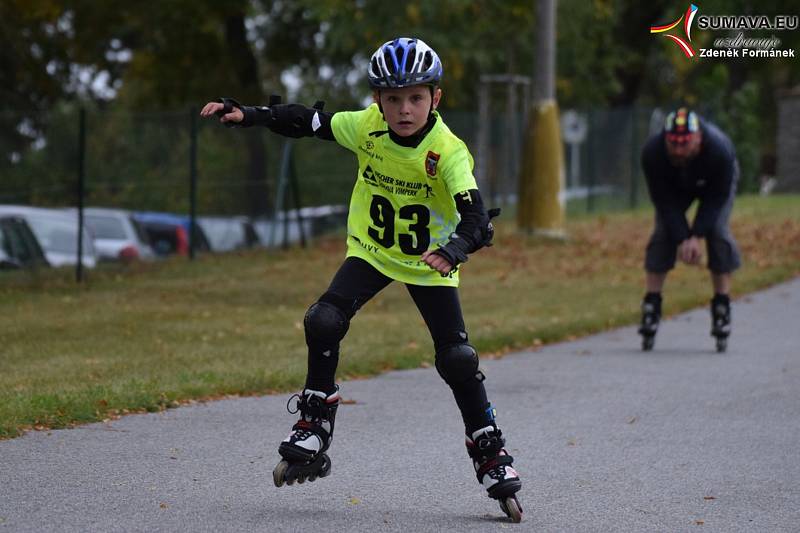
(148, 162)
(173, 162)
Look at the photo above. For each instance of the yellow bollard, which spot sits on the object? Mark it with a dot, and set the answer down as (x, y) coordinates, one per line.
(541, 198)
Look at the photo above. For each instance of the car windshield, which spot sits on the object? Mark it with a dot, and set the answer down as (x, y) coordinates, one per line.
(17, 241)
(59, 236)
(140, 231)
(106, 227)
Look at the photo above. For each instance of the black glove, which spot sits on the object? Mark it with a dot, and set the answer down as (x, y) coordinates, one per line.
(457, 248)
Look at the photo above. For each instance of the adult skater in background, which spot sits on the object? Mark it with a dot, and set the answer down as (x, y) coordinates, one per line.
(691, 159)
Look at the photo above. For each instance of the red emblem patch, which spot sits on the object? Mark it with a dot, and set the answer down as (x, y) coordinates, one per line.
(431, 160)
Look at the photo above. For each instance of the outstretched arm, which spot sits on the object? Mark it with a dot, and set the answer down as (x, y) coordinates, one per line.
(289, 120)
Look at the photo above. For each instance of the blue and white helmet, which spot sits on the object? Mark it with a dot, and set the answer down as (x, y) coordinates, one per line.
(404, 62)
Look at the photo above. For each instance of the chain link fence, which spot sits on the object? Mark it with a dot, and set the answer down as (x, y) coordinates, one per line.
(143, 161)
(286, 190)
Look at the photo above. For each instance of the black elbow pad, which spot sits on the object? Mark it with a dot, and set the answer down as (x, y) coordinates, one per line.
(291, 120)
(295, 120)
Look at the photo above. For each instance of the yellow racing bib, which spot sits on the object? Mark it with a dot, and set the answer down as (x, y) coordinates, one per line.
(402, 202)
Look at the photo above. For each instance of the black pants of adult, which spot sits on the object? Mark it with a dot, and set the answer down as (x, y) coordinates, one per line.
(721, 247)
(355, 284)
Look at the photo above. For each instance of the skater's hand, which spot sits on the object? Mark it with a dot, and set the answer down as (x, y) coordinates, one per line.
(436, 262)
(689, 251)
(212, 108)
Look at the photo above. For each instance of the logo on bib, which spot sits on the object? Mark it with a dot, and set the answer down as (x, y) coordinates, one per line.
(431, 161)
(369, 176)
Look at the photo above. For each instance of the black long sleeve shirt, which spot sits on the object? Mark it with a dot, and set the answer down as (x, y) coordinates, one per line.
(710, 178)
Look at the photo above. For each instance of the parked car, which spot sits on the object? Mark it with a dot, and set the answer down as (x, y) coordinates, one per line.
(117, 236)
(57, 233)
(226, 234)
(316, 220)
(18, 245)
(169, 233)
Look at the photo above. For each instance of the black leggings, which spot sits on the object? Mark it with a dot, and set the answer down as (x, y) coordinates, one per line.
(355, 284)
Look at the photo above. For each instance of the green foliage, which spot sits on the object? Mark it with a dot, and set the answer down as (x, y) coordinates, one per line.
(739, 113)
(465, 37)
(584, 39)
(120, 57)
(745, 124)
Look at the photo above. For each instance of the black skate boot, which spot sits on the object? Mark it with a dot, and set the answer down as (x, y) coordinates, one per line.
(651, 316)
(721, 320)
(494, 471)
(303, 451)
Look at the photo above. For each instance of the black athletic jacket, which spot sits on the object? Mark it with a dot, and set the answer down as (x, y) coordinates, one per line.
(710, 178)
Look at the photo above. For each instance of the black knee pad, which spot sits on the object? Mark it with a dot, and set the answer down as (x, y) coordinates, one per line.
(457, 363)
(326, 323)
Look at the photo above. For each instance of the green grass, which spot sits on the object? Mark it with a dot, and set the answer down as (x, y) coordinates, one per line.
(149, 337)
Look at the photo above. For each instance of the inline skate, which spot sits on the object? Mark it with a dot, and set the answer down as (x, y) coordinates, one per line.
(494, 471)
(721, 320)
(651, 316)
(303, 451)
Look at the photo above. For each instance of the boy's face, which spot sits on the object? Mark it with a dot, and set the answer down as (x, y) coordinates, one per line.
(406, 109)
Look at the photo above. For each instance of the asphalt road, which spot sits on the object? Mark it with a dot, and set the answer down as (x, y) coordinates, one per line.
(606, 438)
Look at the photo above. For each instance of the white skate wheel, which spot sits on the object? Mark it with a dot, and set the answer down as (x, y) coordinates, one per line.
(511, 507)
(279, 473)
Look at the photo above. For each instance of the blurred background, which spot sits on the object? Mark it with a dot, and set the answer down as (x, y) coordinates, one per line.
(100, 104)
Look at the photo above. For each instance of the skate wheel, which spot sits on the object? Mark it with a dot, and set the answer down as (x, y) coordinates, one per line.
(325, 469)
(648, 343)
(511, 507)
(722, 344)
(312, 477)
(301, 479)
(279, 473)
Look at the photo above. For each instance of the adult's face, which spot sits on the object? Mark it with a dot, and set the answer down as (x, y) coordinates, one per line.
(681, 150)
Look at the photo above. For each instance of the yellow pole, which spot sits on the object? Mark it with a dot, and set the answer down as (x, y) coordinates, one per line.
(541, 200)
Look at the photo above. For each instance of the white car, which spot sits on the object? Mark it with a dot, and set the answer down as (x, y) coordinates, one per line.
(57, 233)
(226, 234)
(117, 237)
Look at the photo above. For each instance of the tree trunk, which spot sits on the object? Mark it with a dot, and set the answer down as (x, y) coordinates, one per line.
(632, 29)
(258, 192)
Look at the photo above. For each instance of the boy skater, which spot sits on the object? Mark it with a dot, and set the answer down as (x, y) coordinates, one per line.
(415, 216)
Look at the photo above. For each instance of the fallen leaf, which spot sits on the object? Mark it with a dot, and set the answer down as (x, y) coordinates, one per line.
(354, 501)
(164, 505)
(709, 498)
(632, 419)
(699, 522)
